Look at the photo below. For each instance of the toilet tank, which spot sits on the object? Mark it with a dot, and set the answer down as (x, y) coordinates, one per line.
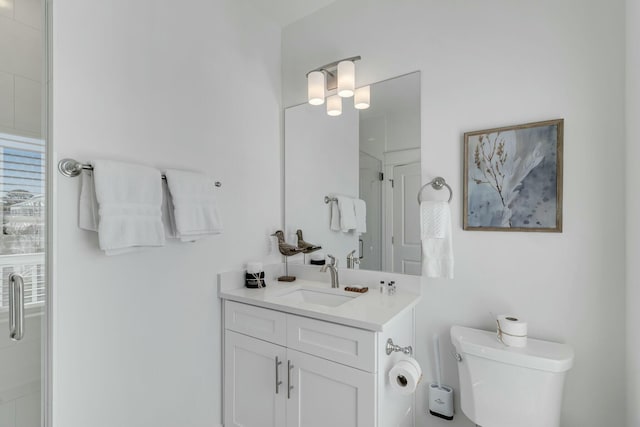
(504, 386)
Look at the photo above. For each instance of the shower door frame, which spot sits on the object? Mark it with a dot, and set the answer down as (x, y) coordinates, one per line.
(46, 378)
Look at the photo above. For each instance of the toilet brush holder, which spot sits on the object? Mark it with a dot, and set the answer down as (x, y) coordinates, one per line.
(441, 401)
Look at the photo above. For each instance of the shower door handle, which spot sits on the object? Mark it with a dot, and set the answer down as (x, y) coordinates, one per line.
(16, 306)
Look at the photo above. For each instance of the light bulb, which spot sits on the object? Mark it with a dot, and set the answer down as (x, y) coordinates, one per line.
(334, 105)
(346, 78)
(362, 98)
(315, 87)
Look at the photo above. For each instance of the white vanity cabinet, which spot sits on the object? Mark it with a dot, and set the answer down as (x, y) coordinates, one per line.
(286, 370)
(327, 393)
(252, 397)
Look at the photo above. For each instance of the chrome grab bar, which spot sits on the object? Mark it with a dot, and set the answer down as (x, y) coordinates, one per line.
(278, 382)
(289, 386)
(16, 307)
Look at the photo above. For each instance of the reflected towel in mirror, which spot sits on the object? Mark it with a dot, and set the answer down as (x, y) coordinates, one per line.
(343, 215)
(360, 208)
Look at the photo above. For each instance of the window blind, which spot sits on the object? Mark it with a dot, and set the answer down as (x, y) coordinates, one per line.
(22, 196)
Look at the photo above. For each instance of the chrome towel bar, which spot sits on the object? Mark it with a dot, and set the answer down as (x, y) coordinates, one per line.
(72, 168)
(328, 199)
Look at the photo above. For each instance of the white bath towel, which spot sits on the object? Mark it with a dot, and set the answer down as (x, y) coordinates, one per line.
(128, 199)
(347, 213)
(436, 235)
(195, 208)
(360, 208)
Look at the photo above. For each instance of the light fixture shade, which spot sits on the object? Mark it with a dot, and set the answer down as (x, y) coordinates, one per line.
(362, 98)
(315, 87)
(346, 78)
(334, 105)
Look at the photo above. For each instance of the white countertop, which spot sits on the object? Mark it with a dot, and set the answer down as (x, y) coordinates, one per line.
(370, 310)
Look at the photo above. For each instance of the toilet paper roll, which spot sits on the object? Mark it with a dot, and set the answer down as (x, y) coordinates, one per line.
(254, 267)
(512, 331)
(405, 375)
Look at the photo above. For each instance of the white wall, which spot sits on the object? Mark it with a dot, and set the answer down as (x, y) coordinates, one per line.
(21, 67)
(191, 84)
(495, 63)
(633, 212)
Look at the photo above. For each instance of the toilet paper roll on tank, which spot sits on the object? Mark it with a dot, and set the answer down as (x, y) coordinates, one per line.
(405, 375)
(512, 331)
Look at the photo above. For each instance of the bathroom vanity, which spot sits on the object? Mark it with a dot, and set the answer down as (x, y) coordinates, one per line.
(306, 355)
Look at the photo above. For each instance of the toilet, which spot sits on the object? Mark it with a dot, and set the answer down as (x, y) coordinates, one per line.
(504, 386)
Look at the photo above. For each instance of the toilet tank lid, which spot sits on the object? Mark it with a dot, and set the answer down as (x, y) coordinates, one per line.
(542, 355)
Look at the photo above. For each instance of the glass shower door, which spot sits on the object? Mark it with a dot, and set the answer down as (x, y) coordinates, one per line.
(22, 213)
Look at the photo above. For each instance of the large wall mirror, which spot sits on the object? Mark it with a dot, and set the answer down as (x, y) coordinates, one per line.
(372, 155)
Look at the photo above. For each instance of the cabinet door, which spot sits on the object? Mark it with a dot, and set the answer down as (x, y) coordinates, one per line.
(329, 394)
(251, 396)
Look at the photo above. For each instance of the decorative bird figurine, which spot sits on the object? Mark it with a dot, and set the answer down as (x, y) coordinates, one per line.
(285, 248)
(306, 247)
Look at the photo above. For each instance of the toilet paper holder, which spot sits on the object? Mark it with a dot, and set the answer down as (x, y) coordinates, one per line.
(391, 347)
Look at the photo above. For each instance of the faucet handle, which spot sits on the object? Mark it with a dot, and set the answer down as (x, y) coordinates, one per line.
(333, 260)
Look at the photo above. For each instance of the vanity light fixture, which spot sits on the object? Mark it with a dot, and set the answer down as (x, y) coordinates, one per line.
(362, 99)
(334, 105)
(315, 87)
(346, 78)
(338, 77)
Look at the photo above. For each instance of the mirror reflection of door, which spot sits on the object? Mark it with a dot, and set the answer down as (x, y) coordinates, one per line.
(371, 193)
(23, 213)
(406, 245)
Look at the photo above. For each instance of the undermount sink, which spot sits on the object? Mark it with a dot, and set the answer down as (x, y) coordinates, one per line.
(326, 298)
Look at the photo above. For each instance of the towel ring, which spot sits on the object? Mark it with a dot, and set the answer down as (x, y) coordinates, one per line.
(437, 183)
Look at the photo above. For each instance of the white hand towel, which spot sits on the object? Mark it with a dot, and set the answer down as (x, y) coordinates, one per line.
(88, 207)
(360, 208)
(347, 213)
(194, 205)
(168, 218)
(433, 224)
(436, 236)
(129, 199)
(335, 216)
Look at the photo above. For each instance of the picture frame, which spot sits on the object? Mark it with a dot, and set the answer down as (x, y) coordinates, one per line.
(513, 178)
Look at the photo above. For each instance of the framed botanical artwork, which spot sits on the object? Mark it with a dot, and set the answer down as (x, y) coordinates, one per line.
(513, 178)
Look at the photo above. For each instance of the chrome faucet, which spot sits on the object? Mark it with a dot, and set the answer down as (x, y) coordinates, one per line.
(333, 271)
(352, 259)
